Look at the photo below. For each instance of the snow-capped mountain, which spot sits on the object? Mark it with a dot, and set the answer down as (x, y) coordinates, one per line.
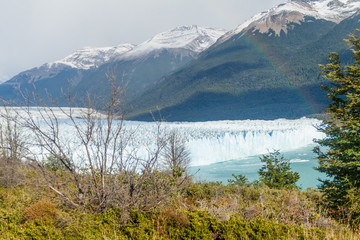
(257, 70)
(83, 59)
(89, 57)
(282, 16)
(193, 38)
(142, 65)
(151, 60)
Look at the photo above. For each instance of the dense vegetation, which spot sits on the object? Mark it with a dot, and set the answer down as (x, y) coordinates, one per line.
(199, 211)
(341, 161)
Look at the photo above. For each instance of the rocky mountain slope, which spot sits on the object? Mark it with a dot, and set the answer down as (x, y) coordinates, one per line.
(284, 16)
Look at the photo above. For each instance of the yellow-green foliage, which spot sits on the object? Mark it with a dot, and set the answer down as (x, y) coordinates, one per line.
(201, 225)
(206, 211)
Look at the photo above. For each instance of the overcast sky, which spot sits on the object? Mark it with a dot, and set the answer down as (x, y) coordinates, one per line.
(33, 32)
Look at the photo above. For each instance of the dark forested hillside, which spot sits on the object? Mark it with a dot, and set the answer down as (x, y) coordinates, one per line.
(251, 75)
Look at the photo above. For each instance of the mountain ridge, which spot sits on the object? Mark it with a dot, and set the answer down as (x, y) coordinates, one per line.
(93, 57)
(247, 67)
(85, 70)
(329, 10)
(193, 38)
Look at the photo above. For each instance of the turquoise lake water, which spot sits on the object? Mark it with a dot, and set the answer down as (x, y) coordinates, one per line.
(302, 161)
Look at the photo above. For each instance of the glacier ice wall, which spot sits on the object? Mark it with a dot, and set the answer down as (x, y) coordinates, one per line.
(218, 141)
(210, 142)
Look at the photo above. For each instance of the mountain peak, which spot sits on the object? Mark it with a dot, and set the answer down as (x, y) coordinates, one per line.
(194, 38)
(295, 11)
(89, 57)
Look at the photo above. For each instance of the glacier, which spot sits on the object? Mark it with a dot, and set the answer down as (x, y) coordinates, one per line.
(219, 141)
(208, 142)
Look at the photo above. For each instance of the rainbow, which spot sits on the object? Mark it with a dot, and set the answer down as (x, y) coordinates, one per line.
(303, 95)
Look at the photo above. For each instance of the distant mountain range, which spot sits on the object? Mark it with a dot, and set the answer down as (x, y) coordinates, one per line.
(84, 71)
(266, 68)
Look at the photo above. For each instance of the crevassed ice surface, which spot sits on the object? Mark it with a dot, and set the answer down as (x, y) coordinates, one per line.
(208, 142)
(212, 142)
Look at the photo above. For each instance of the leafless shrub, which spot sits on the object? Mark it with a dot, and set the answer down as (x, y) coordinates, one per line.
(96, 168)
(176, 156)
(12, 147)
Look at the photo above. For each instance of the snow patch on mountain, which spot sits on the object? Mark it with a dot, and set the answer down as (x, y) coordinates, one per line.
(295, 11)
(89, 57)
(83, 59)
(193, 38)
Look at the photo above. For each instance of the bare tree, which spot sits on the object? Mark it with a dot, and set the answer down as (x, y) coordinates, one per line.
(97, 167)
(12, 147)
(176, 156)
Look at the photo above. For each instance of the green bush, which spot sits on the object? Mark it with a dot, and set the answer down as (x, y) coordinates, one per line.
(41, 229)
(140, 226)
(240, 180)
(276, 171)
